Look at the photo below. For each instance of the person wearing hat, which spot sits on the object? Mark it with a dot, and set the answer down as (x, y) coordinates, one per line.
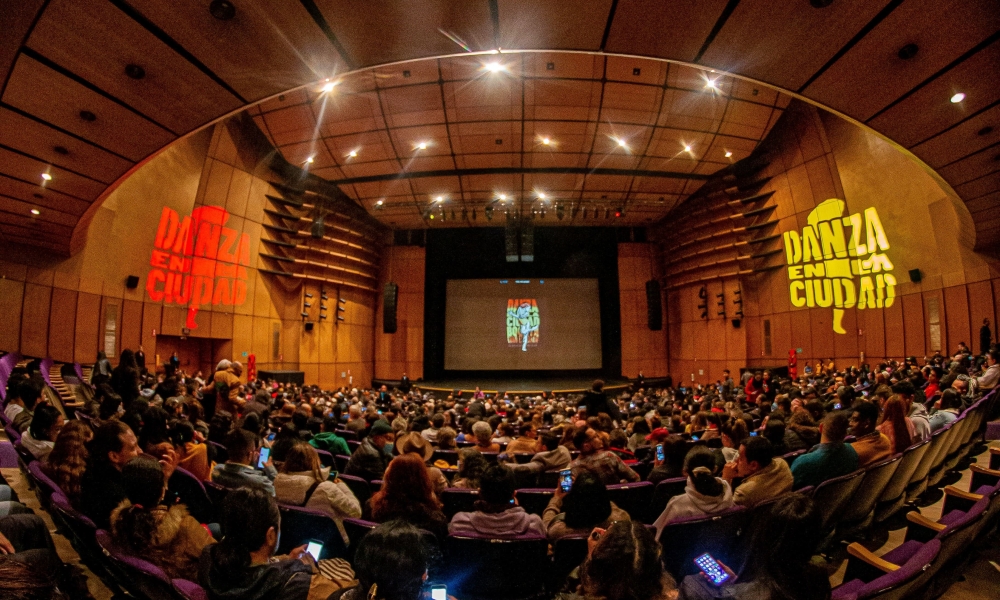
(414, 443)
(372, 457)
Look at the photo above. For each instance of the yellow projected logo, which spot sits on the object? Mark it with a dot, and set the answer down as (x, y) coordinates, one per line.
(840, 261)
(522, 323)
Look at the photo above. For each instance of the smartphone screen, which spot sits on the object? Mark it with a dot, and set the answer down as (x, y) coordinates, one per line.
(565, 480)
(712, 569)
(264, 454)
(696, 437)
(659, 452)
(837, 406)
(270, 437)
(314, 548)
(753, 433)
(439, 592)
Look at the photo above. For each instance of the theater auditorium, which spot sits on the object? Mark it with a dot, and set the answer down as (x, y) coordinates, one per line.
(499, 299)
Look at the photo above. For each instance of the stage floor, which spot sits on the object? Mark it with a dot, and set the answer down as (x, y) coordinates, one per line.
(520, 385)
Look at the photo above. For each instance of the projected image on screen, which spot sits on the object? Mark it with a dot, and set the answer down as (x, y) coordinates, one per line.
(522, 324)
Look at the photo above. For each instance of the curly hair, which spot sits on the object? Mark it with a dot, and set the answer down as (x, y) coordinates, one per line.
(68, 459)
(625, 565)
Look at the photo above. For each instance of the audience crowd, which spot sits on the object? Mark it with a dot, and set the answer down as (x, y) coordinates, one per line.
(138, 427)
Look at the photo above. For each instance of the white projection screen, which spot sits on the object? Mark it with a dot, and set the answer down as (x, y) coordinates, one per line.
(522, 324)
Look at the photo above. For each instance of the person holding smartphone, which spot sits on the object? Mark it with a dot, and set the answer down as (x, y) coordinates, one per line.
(623, 562)
(391, 563)
(581, 508)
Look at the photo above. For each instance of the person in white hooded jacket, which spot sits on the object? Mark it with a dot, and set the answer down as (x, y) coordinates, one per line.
(302, 481)
(704, 495)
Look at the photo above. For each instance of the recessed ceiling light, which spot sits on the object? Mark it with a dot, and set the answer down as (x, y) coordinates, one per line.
(328, 86)
(908, 51)
(542, 196)
(439, 199)
(621, 142)
(687, 147)
(710, 83)
(421, 146)
(729, 153)
(502, 197)
(353, 153)
(46, 177)
(36, 212)
(222, 10)
(310, 159)
(985, 130)
(494, 67)
(60, 150)
(88, 116)
(957, 98)
(380, 203)
(133, 71)
(546, 141)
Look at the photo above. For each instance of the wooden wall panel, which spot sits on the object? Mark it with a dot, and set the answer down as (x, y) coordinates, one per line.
(131, 325)
(35, 320)
(402, 351)
(11, 300)
(152, 318)
(62, 324)
(88, 309)
(956, 315)
(981, 306)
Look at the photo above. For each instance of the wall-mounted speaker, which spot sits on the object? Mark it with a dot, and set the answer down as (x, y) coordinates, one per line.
(654, 305)
(132, 282)
(736, 323)
(389, 294)
(309, 325)
(916, 275)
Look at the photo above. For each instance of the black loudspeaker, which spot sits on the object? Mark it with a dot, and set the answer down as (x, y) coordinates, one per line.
(915, 275)
(736, 323)
(389, 307)
(132, 282)
(309, 325)
(654, 305)
(318, 228)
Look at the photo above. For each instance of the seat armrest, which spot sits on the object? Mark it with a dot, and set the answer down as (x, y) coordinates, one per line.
(921, 528)
(858, 551)
(982, 476)
(951, 490)
(956, 499)
(862, 564)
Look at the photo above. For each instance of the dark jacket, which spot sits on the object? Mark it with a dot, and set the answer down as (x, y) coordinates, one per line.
(476, 409)
(101, 491)
(368, 461)
(597, 402)
(282, 580)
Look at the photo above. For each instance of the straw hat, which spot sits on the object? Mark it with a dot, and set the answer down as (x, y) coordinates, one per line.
(415, 443)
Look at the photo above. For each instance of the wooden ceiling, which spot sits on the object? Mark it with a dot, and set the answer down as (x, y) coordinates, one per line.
(547, 133)
(75, 106)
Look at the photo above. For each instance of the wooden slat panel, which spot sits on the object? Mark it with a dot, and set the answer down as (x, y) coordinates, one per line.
(972, 167)
(674, 29)
(52, 97)
(95, 40)
(17, 18)
(11, 297)
(21, 208)
(31, 137)
(49, 197)
(26, 168)
(961, 140)
(62, 324)
(569, 27)
(35, 320)
(268, 47)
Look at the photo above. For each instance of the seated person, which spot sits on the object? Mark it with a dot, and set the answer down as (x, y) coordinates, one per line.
(414, 443)
(168, 537)
(497, 515)
(239, 470)
(446, 439)
(303, 481)
(328, 440)
(551, 456)
(41, 435)
(390, 563)
(243, 566)
(484, 437)
(617, 442)
(605, 465)
(408, 494)
(672, 465)
(948, 409)
(623, 563)
(192, 452)
(586, 506)
(431, 433)
(30, 393)
(372, 457)
(828, 459)
(471, 466)
(704, 495)
(102, 488)
(67, 462)
(528, 442)
(25, 539)
(764, 476)
(871, 444)
(779, 561)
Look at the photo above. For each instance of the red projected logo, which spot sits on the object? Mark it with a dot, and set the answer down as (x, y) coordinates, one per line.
(198, 261)
(522, 323)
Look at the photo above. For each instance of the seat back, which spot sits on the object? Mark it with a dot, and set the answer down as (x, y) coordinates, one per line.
(895, 584)
(482, 568)
(449, 456)
(221, 452)
(458, 500)
(633, 498)
(44, 486)
(359, 487)
(347, 434)
(216, 493)
(833, 494)
(356, 529)
(791, 456)
(325, 458)
(192, 494)
(299, 525)
(140, 578)
(664, 491)
(720, 535)
(522, 458)
(353, 445)
(534, 500)
(568, 553)
(862, 503)
(340, 461)
(901, 477)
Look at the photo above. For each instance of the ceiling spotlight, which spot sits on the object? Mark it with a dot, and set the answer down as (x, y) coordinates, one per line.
(494, 67)
(957, 98)
(622, 142)
(502, 197)
(542, 196)
(222, 10)
(36, 212)
(353, 154)
(380, 203)
(46, 177)
(439, 199)
(546, 141)
(328, 86)
(729, 153)
(710, 84)
(310, 159)
(687, 147)
(421, 146)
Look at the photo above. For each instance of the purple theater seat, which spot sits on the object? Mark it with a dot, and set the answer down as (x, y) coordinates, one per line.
(325, 458)
(665, 490)
(299, 525)
(913, 558)
(139, 577)
(721, 535)
(485, 568)
(356, 530)
(857, 511)
(833, 495)
(457, 500)
(189, 590)
(633, 498)
(359, 487)
(534, 500)
(45, 487)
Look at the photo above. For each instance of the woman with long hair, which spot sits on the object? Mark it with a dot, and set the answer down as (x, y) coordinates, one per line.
(170, 538)
(471, 465)
(68, 459)
(896, 425)
(407, 493)
(705, 493)
(623, 563)
(390, 563)
(585, 506)
(303, 481)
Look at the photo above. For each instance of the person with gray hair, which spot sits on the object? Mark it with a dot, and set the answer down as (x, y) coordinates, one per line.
(484, 437)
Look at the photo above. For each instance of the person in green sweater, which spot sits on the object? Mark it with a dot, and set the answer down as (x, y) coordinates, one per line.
(328, 440)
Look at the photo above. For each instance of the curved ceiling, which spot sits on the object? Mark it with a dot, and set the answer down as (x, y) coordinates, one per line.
(92, 87)
(567, 136)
